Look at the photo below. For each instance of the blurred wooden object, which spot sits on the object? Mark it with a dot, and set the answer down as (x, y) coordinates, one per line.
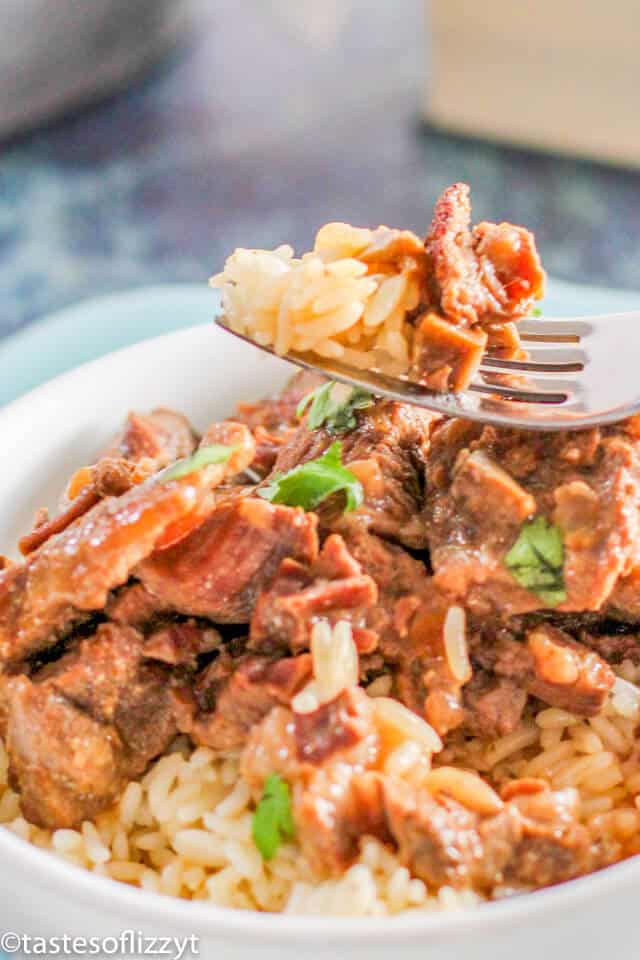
(561, 75)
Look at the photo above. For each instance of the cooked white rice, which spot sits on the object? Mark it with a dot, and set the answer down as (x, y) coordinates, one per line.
(346, 299)
(185, 828)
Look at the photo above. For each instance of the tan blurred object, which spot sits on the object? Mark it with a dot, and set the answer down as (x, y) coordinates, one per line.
(561, 75)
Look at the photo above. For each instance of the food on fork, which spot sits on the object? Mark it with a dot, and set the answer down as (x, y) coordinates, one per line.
(384, 299)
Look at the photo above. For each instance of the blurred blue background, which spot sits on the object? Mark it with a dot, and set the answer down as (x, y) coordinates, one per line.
(266, 120)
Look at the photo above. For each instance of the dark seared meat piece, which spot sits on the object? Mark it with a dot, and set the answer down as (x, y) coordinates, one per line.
(483, 483)
(73, 572)
(179, 644)
(334, 588)
(493, 705)
(81, 727)
(134, 606)
(443, 842)
(554, 846)
(613, 647)
(549, 665)
(221, 567)
(567, 674)
(232, 696)
(387, 452)
(487, 275)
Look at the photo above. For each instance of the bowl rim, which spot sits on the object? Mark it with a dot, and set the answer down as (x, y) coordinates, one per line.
(249, 926)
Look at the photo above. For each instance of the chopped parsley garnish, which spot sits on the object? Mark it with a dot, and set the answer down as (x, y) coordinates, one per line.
(273, 821)
(536, 560)
(312, 482)
(336, 413)
(204, 457)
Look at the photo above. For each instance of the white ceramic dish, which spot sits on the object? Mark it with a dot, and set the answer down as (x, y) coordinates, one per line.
(45, 435)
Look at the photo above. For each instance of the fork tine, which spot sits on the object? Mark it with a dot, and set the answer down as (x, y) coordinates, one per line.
(538, 361)
(554, 331)
(517, 394)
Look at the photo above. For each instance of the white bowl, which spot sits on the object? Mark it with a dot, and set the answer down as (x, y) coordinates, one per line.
(48, 433)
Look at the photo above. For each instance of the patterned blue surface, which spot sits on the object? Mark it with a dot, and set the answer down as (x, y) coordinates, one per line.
(269, 122)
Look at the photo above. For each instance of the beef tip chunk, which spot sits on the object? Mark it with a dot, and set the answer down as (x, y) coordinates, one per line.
(81, 727)
(331, 759)
(144, 445)
(387, 451)
(273, 421)
(554, 846)
(535, 840)
(179, 644)
(323, 762)
(162, 436)
(134, 605)
(333, 587)
(409, 621)
(613, 647)
(478, 280)
(334, 727)
(487, 275)
(624, 602)
(443, 842)
(493, 705)
(221, 567)
(65, 764)
(484, 483)
(231, 697)
(72, 574)
(550, 665)
(445, 355)
(567, 674)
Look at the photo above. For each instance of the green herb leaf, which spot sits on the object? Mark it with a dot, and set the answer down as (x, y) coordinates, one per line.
(272, 822)
(536, 312)
(337, 414)
(204, 457)
(344, 418)
(536, 561)
(320, 405)
(312, 482)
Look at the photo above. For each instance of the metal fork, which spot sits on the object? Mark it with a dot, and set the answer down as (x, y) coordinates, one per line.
(579, 373)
